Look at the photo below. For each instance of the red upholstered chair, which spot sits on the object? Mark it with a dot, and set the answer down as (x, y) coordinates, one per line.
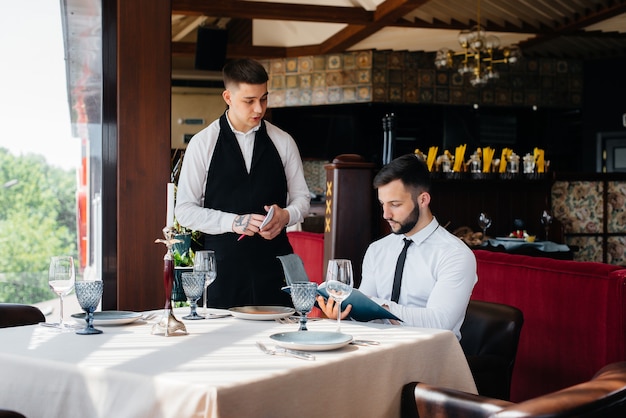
(17, 314)
(604, 396)
(310, 247)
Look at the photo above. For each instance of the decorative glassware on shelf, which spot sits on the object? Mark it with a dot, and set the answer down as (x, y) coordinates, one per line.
(546, 221)
(303, 297)
(88, 294)
(475, 163)
(484, 222)
(61, 278)
(513, 165)
(529, 164)
(339, 283)
(193, 285)
(206, 263)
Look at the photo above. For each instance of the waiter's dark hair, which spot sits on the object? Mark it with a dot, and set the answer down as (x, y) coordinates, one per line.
(410, 169)
(244, 70)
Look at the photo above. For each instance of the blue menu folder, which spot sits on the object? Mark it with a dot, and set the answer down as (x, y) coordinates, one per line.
(363, 308)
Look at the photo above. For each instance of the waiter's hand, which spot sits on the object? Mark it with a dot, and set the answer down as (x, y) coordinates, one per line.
(277, 224)
(330, 308)
(247, 224)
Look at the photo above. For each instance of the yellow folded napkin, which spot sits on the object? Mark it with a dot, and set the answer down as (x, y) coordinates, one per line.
(506, 153)
(432, 156)
(459, 157)
(487, 158)
(540, 162)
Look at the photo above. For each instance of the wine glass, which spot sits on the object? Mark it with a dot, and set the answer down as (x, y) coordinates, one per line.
(339, 283)
(193, 285)
(546, 220)
(484, 221)
(204, 261)
(88, 294)
(61, 277)
(303, 297)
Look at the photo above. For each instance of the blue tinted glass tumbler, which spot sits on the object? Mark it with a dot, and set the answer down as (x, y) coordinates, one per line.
(303, 297)
(193, 285)
(88, 293)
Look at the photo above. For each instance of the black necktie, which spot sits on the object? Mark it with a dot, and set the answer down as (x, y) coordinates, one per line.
(397, 278)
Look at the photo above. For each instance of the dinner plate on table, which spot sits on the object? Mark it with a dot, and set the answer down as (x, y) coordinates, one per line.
(311, 340)
(109, 317)
(510, 239)
(261, 313)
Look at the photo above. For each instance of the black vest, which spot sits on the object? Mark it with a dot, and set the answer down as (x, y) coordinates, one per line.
(248, 271)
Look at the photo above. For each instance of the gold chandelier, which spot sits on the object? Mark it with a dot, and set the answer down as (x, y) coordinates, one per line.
(480, 53)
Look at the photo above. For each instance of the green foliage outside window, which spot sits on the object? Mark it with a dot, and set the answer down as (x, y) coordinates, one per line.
(37, 221)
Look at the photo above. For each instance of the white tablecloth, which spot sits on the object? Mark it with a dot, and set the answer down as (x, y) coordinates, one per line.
(217, 371)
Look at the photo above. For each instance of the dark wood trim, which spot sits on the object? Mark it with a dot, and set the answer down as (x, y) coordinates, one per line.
(143, 149)
(109, 154)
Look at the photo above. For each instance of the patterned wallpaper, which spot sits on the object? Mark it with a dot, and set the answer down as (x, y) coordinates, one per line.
(582, 206)
(411, 77)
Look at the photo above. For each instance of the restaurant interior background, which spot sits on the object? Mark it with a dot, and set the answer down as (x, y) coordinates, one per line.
(131, 64)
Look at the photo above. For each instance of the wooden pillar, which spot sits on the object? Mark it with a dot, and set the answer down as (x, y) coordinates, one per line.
(138, 131)
(348, 219)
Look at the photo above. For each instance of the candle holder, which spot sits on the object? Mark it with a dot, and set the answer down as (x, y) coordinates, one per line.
(168, 324)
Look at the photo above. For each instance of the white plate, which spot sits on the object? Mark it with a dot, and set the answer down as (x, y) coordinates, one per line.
(109, 317)
(261, 313)
(311, 340)
(510, 239)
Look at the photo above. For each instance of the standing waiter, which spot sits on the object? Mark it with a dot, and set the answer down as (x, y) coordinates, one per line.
(233, 171)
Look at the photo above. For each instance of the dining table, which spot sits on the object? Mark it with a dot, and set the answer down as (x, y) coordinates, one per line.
(217, 370)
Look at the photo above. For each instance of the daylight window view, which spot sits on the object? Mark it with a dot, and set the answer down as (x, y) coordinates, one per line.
(39, 157)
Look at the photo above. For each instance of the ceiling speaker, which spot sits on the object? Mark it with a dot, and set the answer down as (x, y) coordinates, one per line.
(211, 48)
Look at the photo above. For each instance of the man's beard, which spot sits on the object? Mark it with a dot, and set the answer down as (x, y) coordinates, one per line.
(410, 222)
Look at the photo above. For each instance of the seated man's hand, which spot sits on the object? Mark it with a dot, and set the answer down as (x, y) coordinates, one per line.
(330, 308)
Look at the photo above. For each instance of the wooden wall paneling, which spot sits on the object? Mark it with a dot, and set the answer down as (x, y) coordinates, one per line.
(143, 127)
(348, 220)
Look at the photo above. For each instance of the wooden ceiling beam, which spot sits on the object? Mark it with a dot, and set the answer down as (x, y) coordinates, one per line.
(388, 12)
(272, 11)
(578, 23)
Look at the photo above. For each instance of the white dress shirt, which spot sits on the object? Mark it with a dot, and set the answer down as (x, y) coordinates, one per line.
(437, 282)
(190, 211)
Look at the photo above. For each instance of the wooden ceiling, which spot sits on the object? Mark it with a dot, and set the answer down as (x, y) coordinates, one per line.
(584, 29)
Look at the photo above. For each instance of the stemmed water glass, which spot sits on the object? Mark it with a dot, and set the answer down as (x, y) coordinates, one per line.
(484, 221)
(61, 277)
(193, 285)
(546, 221)
(88, 294)
(204, 261)
(339, 282)
(303, 297)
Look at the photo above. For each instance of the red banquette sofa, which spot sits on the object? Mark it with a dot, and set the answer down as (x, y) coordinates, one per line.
(574, 312)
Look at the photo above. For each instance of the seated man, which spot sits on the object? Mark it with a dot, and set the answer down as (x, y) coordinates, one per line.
(436, 278)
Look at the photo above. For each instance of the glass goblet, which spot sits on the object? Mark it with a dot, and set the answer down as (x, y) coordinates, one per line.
(205, 262)
(546, 221)
(303, 297)
(88, 294)
(484, 221)
(193, 285)
(61, 278)
(339, 283)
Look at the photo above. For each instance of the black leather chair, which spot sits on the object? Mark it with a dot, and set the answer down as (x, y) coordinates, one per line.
(5, 413)
(604, 396)
(17, 314)
(489, 338)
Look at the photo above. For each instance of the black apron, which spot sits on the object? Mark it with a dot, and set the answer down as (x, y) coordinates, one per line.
(248, 272)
